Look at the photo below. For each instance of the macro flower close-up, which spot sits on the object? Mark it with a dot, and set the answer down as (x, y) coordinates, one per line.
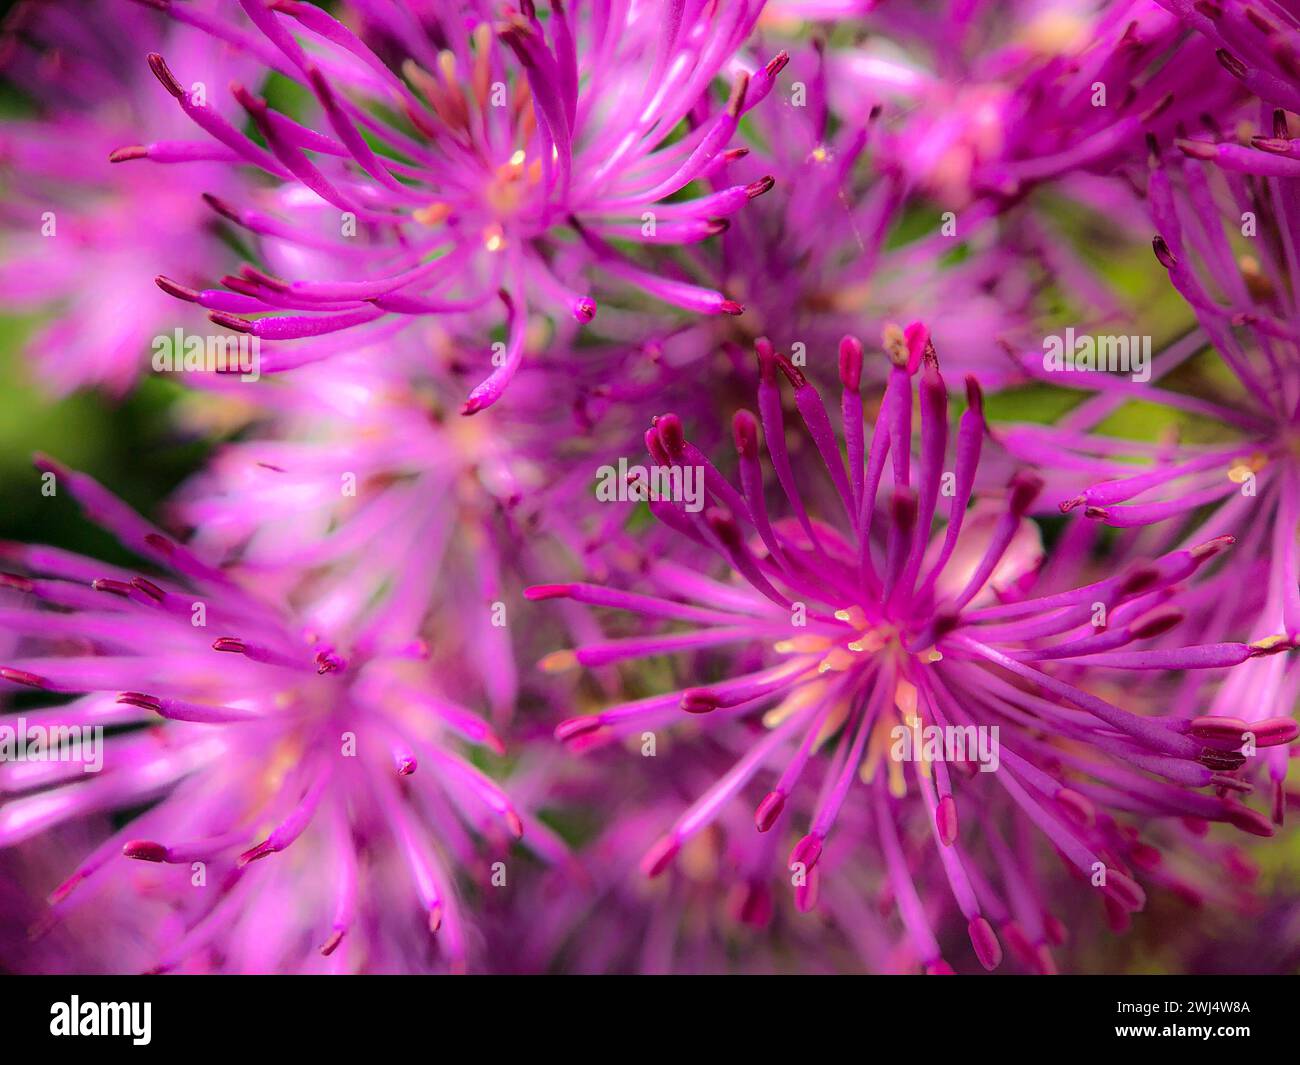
(650, 487)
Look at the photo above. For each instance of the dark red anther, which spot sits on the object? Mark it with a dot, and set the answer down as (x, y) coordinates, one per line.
(753, 904)
(945, 621)
(239, 284)
(233, 322)
(1077, 807)
(724, 527)
(985, 942)
(1160, 107)
(1139, 579)
(17, 582)
(769, 810)
(128, 153)
(792, 373)
(548, 591)
(902, 508)
(1224, 729)
(660, 856)
(807, 852)
(144, 702)
(699, 701)
(1246, 819)
(261, 277)
(144, 850)
(655, 446)
(328, 662)
(1025, 488)
(578, 726)
(160, 543)
(671, 434)
(21, 676)
(1157, 623)
(744, 431)
(736, 101)
(163, 73)
(851, 363)
(945, 820)
(1123, 891)
(1231, 63)
(254, 105)
(149, 588)
(1221, 761)
(256, 853)
(1166, 258)
(1274, 731)
(221, 207)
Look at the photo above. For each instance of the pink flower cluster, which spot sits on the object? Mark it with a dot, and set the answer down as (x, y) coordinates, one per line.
(690, 486)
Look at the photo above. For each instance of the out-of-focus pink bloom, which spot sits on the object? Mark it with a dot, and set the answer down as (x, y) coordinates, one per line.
(82, 237)
(1001, 97)
(313, 809)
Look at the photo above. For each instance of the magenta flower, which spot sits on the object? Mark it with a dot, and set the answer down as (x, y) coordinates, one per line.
(503, 165)
(1258, 43)
(821, 254)
(1070, 91)
(879, 629)
(1244, 479)
(367, 449)
(715, 913)
(82, 237)
(333, 757)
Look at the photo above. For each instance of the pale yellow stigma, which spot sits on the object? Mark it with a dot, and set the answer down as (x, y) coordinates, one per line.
(905, 700)
(894, 341)
(494, 238)
(802, 645)
(558, 662)
(433, 214)
(1243, 471)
